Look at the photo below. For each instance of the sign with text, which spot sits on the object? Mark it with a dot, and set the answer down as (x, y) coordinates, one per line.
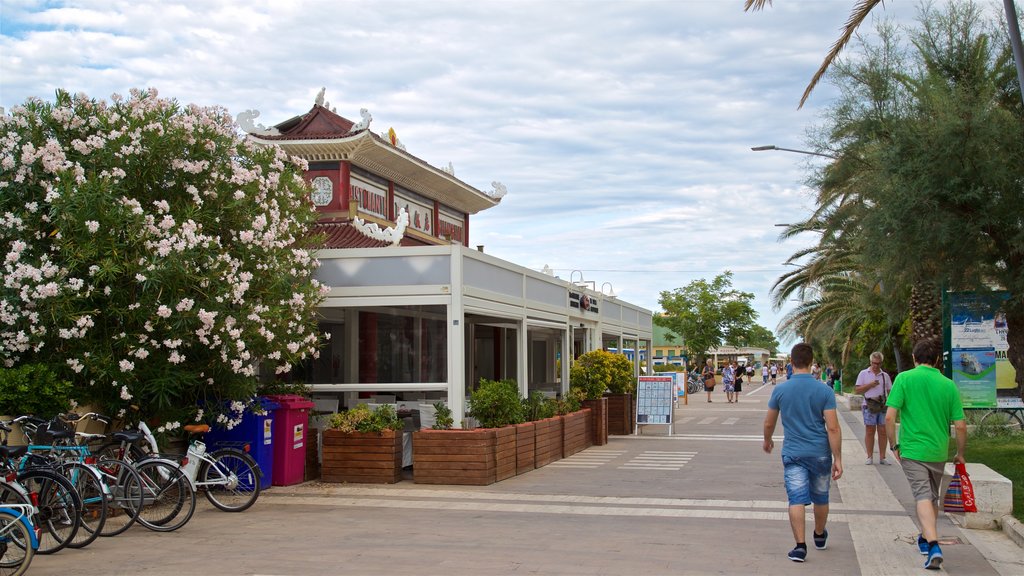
(978, 346)
(654, 399)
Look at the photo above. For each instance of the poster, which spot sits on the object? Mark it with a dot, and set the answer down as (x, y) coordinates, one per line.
(978, 345)
(654, 399)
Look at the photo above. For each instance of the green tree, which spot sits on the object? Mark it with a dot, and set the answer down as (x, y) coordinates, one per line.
(707, 314)
(756, 336)
(151, 255)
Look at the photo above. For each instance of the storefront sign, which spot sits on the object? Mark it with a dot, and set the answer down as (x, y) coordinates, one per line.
(370, 197)
(451, 227)
(978, 346)
(421, 216)
(583, 301)
(654, 399)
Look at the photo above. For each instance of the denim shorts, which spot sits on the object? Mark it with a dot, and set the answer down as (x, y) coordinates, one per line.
(872, 419)
(807, 479)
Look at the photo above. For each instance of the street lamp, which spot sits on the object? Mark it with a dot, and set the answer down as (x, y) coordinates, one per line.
(774, 147)
(611, 290)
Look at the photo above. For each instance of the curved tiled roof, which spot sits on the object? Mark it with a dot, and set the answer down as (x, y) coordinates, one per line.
(344, 235)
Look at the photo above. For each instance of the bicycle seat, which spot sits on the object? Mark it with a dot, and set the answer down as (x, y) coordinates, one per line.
(13, 451)
(60, 434)
(196, 428)
(127, 436)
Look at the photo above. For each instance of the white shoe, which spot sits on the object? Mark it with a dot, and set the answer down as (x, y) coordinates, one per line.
(885, 462)
(869, 461)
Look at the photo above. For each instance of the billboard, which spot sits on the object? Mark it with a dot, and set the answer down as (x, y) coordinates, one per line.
(977, 345)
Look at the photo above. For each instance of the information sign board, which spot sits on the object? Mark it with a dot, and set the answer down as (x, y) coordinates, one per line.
(654, 400)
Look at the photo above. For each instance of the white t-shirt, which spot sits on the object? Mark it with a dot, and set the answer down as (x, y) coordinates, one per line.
(764, 370)
(866, 376)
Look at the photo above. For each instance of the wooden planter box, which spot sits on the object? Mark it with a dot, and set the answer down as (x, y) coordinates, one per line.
(621, 414)
(549, 441)
(312, 471)
(367, 457)
(598, 420)
(574, 433)
(469, 457)
(526, 443)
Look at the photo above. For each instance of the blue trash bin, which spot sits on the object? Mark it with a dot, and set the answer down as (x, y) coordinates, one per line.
(257, 431)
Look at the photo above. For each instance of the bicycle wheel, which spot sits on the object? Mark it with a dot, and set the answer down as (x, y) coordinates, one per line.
(1002, 418)
(59, 508)
(168, 498)
(232, 482)
(15, 545)
(93, 493)
(125, 499)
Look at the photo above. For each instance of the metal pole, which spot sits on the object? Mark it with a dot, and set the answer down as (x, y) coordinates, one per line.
(1013, 27)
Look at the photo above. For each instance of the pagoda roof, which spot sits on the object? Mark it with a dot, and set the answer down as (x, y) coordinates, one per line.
(321, 135)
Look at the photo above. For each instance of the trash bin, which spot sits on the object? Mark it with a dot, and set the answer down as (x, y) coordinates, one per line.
(837, 385)
(257, 431)
(291, 425)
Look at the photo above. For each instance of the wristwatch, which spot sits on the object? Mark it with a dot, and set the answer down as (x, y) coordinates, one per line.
(894, 447)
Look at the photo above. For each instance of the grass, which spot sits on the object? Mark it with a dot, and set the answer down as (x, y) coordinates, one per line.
(1002, 452)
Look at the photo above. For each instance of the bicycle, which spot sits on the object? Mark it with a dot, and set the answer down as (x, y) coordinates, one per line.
(229, 477)
(694, 383)
(18, 540)
(1004, 416)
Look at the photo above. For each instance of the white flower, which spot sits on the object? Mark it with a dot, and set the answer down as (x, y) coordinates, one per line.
(126, 366)
(125, 394)
(92, 225)
(163, 311)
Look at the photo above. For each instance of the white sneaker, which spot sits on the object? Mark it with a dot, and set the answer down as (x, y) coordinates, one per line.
(885, 462)
(869, 461)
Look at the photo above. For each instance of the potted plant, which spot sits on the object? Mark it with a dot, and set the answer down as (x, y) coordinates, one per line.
(478, 457)
(595, 373)
(574, 422)
(363, 446)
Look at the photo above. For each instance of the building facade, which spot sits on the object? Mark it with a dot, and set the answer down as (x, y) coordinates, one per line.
(413, 313)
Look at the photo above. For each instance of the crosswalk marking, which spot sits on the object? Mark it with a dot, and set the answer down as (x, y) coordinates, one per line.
(708, 420)
(591, 458)
(730, 421)
(658, 460)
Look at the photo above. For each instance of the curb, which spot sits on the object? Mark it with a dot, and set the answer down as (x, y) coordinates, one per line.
(1013, 528)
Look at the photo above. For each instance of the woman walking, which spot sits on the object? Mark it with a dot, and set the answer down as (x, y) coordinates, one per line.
(729, 381)
(708, 376)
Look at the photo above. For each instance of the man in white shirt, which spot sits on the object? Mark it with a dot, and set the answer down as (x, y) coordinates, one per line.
(874, 384)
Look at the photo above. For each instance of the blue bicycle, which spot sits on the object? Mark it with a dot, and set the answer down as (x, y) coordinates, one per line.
(18, 540)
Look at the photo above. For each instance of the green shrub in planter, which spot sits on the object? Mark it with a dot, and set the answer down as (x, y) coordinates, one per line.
(496, 403)
(570, 402)
(443, 419)
(33, 389)
(362, 419)
(537, 407)
(598, 371)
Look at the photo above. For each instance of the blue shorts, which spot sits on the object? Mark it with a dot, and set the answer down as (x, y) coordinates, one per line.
(807, 479)
(872, 419)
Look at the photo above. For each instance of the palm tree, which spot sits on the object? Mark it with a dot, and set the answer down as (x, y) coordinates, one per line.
(860, 13)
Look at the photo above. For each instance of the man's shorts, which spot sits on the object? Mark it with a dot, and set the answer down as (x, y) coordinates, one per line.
(807, 479)
(872, 419)
(924, 478)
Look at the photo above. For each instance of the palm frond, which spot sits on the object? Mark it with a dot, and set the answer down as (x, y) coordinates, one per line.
(755, 5)
(857, 17)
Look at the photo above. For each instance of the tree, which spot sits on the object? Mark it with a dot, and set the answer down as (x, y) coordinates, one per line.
(151, 255)
(756, 336)
(927, 186)
(707, 314)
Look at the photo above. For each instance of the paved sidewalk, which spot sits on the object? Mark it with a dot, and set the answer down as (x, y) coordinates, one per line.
(705, 501)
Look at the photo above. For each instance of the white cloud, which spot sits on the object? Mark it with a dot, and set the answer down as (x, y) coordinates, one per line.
(621, 129)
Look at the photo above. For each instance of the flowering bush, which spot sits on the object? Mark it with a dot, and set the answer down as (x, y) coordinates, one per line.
(151, 254)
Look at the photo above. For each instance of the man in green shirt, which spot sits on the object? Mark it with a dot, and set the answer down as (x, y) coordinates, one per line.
(926, 402)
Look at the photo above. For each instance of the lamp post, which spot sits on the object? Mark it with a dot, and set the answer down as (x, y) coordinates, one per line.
(808, 152)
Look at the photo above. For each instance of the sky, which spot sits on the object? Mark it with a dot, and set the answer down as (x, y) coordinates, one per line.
(621, 129)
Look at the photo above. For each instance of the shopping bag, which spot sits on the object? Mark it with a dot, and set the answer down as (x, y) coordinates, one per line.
(959, 495)
(953, 501)
(967, 489)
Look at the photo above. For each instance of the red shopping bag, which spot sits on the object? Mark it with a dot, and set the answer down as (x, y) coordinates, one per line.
(959, 495)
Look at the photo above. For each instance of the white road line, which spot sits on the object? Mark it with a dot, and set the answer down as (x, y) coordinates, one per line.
(686, 419)
(730, 421)
(756, 390)
(708, 420)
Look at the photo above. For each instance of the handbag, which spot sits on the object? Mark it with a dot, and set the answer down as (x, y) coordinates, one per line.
(709, 379)
(959, 495)
(876, 405)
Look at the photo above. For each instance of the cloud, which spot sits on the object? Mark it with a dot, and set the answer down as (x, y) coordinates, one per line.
(621, 129)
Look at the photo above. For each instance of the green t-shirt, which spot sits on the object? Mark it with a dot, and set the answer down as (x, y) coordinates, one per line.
(928, 402)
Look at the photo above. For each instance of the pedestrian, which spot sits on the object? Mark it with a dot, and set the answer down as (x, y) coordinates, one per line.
(708, 376)
(789, 369)
(811, 449)
(738, 387)
(729, 381)
(874, 384)
(764, 374)
(775, 372)
(925, 402)
(816, 371)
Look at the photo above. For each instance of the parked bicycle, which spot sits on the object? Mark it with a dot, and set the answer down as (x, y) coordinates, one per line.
(18, 540)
